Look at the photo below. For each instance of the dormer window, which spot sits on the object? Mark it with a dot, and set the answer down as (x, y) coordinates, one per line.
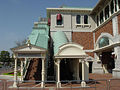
(59, 19)
(78, 19)
(85, 19)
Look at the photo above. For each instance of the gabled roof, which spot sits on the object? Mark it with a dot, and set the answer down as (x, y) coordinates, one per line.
(28, 48)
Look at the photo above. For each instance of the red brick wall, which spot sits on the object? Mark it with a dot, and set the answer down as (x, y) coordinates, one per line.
(107, 28)
(83, 38)
(119, 23)
(90, 54)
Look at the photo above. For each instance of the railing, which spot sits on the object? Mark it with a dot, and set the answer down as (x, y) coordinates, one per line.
(26, 68)
(112, 84)
(1, 85)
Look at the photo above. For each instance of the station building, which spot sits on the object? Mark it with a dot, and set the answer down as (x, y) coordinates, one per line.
(74, 42)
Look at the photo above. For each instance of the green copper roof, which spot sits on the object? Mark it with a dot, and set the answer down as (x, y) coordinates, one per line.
(39, 35)
(42, 41)
(59, 38)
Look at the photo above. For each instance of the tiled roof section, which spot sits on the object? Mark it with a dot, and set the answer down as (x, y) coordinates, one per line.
(42, 41)
(59, 38)
(39, 35)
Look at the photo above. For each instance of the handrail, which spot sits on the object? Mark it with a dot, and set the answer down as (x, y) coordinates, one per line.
(25, 69)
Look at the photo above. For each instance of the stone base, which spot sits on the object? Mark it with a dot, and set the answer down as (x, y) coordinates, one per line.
(83, 84)
(116, 73)
(15, 85)
(98, 70)
(97, 67)
(42, 85)
(58, 84)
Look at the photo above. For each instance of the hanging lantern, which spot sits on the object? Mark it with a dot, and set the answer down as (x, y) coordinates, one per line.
(59, 17)
(48, 22)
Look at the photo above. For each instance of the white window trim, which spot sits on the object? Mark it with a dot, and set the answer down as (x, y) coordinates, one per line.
(110, 15)
(82, 21)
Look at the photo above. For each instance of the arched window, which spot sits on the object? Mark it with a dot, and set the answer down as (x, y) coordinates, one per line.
(78, 19)
(104, 41)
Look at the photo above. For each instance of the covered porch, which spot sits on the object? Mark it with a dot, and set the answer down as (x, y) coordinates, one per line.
(25, 54)
(71, 64)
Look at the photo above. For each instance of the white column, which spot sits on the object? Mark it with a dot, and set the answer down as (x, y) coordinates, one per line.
(117, 5)
(43, 72)
(83, 83)
(99, 19)
(109, 10)
(25, 61)
(58, 73)
(21, 70)
(114, 5)
(15, 72)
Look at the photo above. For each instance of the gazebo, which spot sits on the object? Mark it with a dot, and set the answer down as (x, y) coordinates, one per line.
(28, 52)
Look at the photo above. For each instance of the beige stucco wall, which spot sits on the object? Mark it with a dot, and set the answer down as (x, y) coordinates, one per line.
(69, 22)
(66, 21)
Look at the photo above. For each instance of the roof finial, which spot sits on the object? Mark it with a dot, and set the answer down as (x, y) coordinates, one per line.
(28, 42)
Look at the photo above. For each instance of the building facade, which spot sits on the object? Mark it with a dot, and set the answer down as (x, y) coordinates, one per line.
(97, 30)
(74, 42)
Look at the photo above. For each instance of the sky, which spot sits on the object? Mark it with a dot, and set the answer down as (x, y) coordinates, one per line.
(17, 17)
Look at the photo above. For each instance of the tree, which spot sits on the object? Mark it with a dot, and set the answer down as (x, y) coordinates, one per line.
(5, 57)
(20, 43)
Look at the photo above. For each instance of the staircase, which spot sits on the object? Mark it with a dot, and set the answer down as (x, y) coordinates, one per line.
(34, 70)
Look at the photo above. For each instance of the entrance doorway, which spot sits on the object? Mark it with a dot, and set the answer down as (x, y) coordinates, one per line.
(108, 61)
(65, 69)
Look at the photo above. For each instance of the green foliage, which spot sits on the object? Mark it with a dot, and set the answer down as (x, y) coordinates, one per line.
(12, 73)
(4, 56)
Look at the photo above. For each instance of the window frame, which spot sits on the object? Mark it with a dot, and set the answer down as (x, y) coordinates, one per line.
(78, 19)
(86, 19)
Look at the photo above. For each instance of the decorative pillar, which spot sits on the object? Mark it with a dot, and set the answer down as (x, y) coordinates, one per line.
(25, 61)
(83, 83)
(15, 72)
(116, 70)
(21, 70)
(58, 73)
(43, 72)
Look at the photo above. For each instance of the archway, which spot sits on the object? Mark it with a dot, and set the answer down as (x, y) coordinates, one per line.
(104, 49)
